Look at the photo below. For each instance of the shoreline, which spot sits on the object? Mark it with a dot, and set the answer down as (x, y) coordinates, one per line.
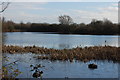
(83, 54)
(64, 33)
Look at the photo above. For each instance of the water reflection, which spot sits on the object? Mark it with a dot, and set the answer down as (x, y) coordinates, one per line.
(76, 69)
(59, 41)
(60, 69)
(64, 46)
(64, 41)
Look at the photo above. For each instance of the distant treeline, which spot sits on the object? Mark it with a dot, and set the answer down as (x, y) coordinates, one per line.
(99, 27)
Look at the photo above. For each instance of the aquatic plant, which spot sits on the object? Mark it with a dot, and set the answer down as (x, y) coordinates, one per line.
(83, 54)
(92, 66)
(37, 72)
(8, 71)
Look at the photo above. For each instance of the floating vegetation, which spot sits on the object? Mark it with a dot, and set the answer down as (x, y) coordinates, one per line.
(83, 54)
(92, 66)
(37, 72)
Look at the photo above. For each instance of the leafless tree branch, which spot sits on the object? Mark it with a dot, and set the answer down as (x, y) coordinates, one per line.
(4, 8)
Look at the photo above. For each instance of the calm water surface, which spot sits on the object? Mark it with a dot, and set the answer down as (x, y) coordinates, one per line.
(59, 69)
(58, 41)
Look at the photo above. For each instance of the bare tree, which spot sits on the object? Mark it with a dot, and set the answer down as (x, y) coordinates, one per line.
(65, 19)
(4, 6)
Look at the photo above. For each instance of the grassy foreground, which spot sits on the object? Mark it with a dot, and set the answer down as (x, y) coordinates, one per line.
(83, 54)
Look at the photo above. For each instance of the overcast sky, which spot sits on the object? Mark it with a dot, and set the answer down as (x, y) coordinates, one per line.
(48, 12)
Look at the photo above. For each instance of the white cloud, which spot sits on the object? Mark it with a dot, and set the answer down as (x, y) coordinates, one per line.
(109, 12)
(79, 16)
(21, 11)
(29, 17)
(110, 8)
(26, 6)
(115, 4)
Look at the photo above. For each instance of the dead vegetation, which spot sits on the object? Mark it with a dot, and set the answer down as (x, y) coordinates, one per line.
(83, 54)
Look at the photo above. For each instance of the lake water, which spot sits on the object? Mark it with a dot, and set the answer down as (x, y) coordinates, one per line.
(58, 41)
(59, 69)
(62, 69)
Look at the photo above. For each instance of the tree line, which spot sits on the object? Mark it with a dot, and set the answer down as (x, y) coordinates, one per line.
(66, 26)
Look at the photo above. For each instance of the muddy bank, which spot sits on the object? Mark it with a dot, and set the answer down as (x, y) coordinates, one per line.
(83, 54)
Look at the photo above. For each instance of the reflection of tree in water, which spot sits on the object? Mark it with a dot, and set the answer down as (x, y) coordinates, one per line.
(64, 46)
(64, 42)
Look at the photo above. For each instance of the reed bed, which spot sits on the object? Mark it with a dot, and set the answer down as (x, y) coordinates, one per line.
(83, 54)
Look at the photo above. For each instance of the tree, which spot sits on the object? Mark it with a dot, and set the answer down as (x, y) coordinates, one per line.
(65, 19)
(4, 6)
(106, 21)
(7, 70)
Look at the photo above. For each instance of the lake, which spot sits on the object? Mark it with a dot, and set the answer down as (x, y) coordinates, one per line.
(58, 41)
(61, 69)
